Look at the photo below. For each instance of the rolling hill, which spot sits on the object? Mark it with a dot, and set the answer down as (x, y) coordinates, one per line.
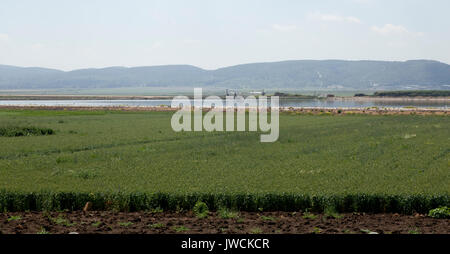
(296, 74)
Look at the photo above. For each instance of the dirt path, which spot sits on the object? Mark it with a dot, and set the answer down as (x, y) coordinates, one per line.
(96, 222)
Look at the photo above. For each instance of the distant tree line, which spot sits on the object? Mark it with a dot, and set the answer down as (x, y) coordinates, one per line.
(297, 96)
(427, 93)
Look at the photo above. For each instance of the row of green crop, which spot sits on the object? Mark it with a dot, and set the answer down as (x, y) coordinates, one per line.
(370, 203)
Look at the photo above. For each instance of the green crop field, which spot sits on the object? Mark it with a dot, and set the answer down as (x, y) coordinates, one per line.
(135, 161)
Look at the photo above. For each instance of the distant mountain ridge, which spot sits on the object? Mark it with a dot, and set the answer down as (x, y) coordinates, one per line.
(295, 74)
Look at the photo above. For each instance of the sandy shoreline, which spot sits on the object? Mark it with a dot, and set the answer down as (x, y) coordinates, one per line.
(287, 110)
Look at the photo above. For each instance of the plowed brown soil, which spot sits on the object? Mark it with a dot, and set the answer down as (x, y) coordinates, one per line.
(105, 222)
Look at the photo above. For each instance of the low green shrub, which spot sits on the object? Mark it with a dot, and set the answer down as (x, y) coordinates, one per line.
(440, 213)
(201, 209)
(226, 213)
(14, 131)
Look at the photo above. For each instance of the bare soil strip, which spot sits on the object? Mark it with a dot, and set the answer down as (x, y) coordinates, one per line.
(106, 222)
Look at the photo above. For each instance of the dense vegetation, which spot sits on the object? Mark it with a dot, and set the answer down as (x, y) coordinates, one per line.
(296, 96)
(302, 74)
(428, 93)
(134, 161)
(14, 131)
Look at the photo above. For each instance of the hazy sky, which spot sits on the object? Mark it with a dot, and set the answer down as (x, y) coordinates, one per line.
(73, 34)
